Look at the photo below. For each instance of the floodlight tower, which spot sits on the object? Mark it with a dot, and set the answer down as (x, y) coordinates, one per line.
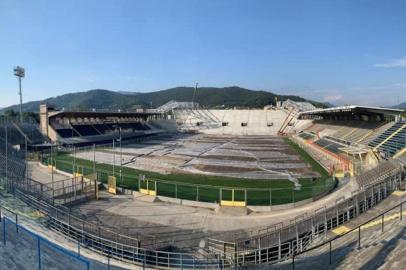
(20, 73)
(194, 94)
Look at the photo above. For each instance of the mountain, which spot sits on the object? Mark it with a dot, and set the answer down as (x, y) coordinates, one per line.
(327, 105)
(209, 97)
(128, 93)
(400, 106)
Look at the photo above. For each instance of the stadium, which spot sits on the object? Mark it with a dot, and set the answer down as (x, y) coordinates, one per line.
(182, 186)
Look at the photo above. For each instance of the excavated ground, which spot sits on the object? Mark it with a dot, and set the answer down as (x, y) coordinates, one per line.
(252, 157)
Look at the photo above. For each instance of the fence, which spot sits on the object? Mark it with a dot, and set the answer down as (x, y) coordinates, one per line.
(351, 239)
(265, 248)
(282, 242)
(196, 192)
(95, 237)
(111, 244)
(41, 252)
(62, 192)
(120, 247)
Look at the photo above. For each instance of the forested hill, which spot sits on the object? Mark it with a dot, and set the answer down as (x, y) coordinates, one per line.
(209, 97)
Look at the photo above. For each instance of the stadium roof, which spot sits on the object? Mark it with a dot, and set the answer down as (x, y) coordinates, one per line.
(99, 114)
(353, 109)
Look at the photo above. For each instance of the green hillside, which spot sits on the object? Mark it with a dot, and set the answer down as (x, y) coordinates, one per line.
(206, 96)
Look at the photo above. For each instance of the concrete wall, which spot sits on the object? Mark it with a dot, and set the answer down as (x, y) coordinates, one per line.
(257, 122)
(167, 124)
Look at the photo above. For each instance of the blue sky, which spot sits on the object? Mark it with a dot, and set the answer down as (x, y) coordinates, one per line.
(337, 51)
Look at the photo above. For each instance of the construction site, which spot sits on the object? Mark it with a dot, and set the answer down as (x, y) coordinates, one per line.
(181, 186)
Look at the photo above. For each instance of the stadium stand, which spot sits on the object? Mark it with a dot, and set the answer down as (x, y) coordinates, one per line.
(31, 130)
(293, 109)
(340, 143)
(298, 106)
(317, 126)
(11, 160)
(264, 247)
(307, 136)
(102, 128)
(18, 133)
(379, 139)
(330, 161)
(190, 116)
(14, 135)
(343, 137)
(278, 243)
(383, 170)
(377, 247)
(67, 132)
(392, 140)
(154, 126)
(375, 133)
(84, 128)
(329, 145)
(359, 130)
(59, 218)
(345, 131)
(15, 138)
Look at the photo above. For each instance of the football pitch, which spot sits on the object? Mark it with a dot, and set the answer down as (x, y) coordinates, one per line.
(203, 187)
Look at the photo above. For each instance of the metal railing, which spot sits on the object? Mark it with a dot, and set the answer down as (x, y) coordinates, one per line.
(121, 248)
(10, 217)
(61, 192)
(265, 248)
(198, 192)
(99, 239)
(285, 241)
(357, 229)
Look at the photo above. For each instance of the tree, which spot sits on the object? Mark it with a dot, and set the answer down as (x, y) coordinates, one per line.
(10, 113)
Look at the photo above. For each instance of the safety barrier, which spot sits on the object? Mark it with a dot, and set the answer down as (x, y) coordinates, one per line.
(264, 248)
(120, 248)
(324, 252)
(13, 232)
(202, 193)
(62, 192)
(282, 242)
(99, 239)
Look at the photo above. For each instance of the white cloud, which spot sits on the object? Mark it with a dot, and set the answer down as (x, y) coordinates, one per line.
(401, 62)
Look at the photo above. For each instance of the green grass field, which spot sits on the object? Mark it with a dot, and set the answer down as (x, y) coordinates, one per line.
(208, 188)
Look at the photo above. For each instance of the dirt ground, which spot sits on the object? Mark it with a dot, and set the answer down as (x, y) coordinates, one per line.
(174, 224)
(251, 157)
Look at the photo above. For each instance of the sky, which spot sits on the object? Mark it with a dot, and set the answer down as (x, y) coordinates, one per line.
(342, 52)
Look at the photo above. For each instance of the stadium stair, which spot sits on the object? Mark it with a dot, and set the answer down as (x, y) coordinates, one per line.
(377, 250)
(211, 120)
(288, 119)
